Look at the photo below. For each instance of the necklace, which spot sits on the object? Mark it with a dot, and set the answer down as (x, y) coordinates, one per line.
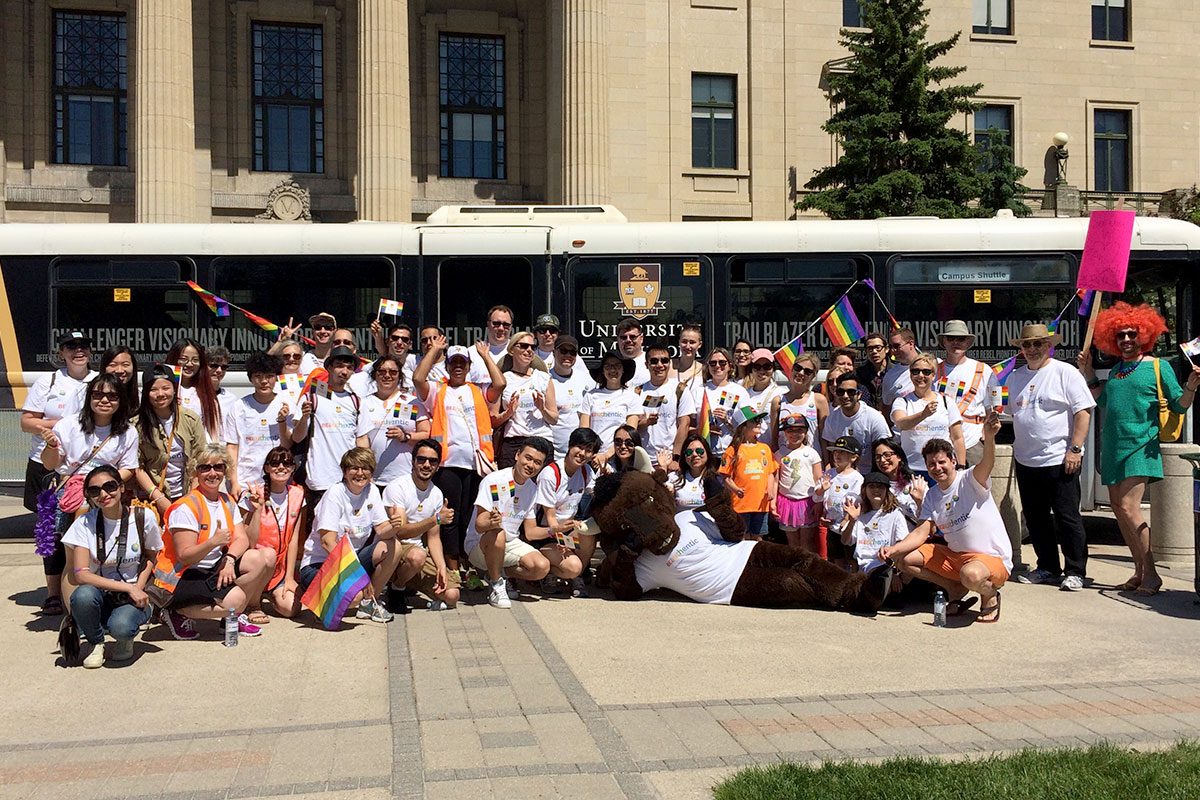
(1126, 368)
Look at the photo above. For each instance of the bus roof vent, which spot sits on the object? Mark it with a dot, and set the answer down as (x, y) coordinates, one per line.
(501, 215)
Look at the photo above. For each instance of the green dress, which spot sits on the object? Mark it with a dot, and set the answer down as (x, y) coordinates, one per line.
(1129, 438)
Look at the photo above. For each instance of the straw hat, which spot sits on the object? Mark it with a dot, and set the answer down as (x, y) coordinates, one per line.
(1038, 331)
(956, 327)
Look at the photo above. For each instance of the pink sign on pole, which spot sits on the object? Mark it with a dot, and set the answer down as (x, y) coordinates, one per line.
(1106, 251)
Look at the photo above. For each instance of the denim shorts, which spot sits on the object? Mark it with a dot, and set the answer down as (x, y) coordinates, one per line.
(756, 522)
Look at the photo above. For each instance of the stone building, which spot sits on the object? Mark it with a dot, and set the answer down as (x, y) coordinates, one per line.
(334, 110)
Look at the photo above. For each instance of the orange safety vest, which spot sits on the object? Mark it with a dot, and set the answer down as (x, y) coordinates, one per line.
(439, 423)
(168, 567)
(269, 534)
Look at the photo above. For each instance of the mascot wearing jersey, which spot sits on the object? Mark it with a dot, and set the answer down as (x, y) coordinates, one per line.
(701, 553)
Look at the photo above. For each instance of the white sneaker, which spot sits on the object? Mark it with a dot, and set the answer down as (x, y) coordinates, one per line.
(374, 611)
(94, 659)
(1071, 583)
(499, 596)
(1038, 576)
(438, 605)
(122, 650)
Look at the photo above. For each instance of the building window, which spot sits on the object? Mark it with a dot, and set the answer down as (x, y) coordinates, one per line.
(992, 120)
(471, 99)
(992, 16)
(714, 121)
(1111, 135)
(289, 95)
(90, 77)
(852, 14)
(1110, 20)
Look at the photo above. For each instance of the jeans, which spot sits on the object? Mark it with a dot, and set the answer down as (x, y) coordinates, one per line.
(95, 609)
(1047, 491)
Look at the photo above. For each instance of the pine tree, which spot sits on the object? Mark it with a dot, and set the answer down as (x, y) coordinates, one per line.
(1000, 178)
(899, 154)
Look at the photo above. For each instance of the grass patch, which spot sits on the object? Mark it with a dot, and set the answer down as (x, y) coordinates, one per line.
(1097, 773)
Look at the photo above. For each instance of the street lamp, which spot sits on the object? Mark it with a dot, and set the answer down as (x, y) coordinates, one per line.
(1061, 155)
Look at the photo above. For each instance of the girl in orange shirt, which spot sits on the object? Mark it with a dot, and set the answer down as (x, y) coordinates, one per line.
(749, 468)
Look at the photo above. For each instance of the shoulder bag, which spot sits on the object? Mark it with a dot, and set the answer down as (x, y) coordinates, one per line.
(1170, 423)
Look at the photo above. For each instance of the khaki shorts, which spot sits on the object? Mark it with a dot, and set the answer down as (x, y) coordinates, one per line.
(941, 560)
(514, 551)
(426, 579)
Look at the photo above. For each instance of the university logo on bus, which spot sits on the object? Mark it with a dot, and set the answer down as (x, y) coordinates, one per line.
(639, 285)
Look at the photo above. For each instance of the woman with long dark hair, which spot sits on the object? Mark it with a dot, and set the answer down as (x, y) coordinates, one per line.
(888, 455)
(697, 464)
(122, 362)
(171, 438)
(196, 392)
(391, 421)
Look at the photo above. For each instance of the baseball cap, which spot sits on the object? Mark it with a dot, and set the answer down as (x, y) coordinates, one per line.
(74, 336)
(458, 351)
(546, 321)
(746, 414)
(761, 354)
(323, 316)
(793, 421)
(877, 477)
(341, 354)
(847, 443)
(566, 340)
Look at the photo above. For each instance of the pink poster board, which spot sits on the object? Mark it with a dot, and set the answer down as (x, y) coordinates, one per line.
(1106, 251)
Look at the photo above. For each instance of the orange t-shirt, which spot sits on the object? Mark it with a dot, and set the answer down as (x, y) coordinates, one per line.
(755, 465)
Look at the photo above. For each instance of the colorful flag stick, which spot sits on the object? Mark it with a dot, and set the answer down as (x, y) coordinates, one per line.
(1086, 298)
(393, 308)
(1004, 369)
(215, 304)
(336, 584)
(842, 324)
(879, 297)
(704, 417)
(786, 356)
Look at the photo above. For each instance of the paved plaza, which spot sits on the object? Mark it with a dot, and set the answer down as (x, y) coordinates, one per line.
(582, 699)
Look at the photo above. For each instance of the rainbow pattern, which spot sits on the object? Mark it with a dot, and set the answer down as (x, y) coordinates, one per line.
(495, 495)
(1004, 369)
(266, 325)
(842, 324)
(1086, 298)
(340, 578)
(414, 411)
(512, 489)
(215, 304)
(393, 308)
(786, 356)
(704, 417)
(289, 383)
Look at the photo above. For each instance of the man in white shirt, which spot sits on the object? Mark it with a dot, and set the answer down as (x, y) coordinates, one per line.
(1051, 409)
(629, 343)
(561, 488)
(965, 382)
(499, 331)
(256, 423)
(855, 419)
(324, 325)
(329, 413)
(545, 328)
(659, 407)
(902, 344)
(570, 385)
(397, 344)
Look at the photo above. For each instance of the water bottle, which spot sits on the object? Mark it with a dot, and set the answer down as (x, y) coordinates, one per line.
(939, 609)
(231, 628)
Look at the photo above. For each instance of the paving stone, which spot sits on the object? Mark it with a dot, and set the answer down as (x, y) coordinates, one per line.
(700, 732)
(507, 739)
(646, 736)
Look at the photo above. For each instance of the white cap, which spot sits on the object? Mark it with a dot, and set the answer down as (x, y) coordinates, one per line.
(458, 351)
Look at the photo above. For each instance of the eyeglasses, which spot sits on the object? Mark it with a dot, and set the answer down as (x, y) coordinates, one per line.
(1035, 344)
(425, 460)
(499, 323)
(718, 363)
(741, 352)
(886, 455)
(386, 373)
(280, 462)
(567, 352)
(629, 337)
(920, 371)
(367, 470)
(1122, 335)
(626, 442)
(803, 371)
(322, 326)
(896, 345)
(762, 367)
(189, 362)
(221, 367)
(401, 338)
(545, 331)
(111, 397)
(293, 356)
(202, 468)
(657, 361)
(522, 345)
(872, 348)
(695, 451)
(108, 487)
(845, 392)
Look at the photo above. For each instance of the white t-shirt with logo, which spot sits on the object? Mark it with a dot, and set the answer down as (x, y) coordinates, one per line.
(176, 466)
(660, 435)
(353, 515)
(609, 409)
(761, 400)
(935, 426)
(375, 416)
(897, 382)
(957, 389)
(641, 372)
(701, 566)
(309, 362)
(865, 426)
(479, 371)
(64, 399)
(967, 516)
(82, 533)
(189, 399)
(842, 487)
(418, 504)
(562, 492)
(461, 435)
(527, 420)
(690, 493)
(568, 395)
(873, 530)
(1044, 403)
(796, 471)
(119, 451)
(181, 518)
(331, 432)
(499, 491)
(253, 426)
(729, 397)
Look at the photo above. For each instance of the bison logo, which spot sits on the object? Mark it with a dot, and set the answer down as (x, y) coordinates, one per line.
(639, 286)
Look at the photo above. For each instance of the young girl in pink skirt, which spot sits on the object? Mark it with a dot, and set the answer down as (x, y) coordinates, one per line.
(799, 476)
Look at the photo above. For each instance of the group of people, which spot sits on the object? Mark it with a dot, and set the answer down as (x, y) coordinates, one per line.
(449, 464)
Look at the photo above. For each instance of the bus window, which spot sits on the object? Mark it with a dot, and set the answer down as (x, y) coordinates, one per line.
(773, 298)
(995, 296)
(664, 293)
(1158, 285)
(279, 288)
(468, 287)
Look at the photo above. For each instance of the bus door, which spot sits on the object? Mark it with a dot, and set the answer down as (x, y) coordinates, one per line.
(662, 292)
(470, 269)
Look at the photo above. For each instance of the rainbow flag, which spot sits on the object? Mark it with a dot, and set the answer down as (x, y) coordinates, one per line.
(786, 356)
(215, 304)
(512, 489)
(842, 324)
(266, 325)
(1004, 369)
(340, 578)
(495, 495)
(1086, 298)
(414, 411)
(393, 308)
(177, 371)
(704, 417)
(289, 383)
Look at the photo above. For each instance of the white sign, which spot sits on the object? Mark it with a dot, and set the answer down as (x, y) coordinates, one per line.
(974, 274)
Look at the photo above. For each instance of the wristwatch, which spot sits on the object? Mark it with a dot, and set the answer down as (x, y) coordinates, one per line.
(1076, 449)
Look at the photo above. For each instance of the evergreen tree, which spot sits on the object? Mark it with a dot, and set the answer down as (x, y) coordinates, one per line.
(898, 154)
(999, 178)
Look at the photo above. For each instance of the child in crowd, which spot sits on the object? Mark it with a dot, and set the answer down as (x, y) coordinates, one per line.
(799, 475)
(840, 483)
(749, 470)
(875, 522)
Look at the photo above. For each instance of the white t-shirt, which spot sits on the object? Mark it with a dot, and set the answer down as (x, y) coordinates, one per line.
(873, 530)
(660, 435)
(181, 518)
(563, 492)
(568, 395)
(331, 432)
(461, 435)
(641, 373)
(808, 410)
(191, 401)
(82, 533)
(608, 409)
(418, 504)
(520, 389)
(897, 382)
(967, 516)
(796, 471)
(957, 389)
(730, 396)
(701, 566)
(352, 515)
(1044, 403)
(176, 459)
(865, 426)
(499, 491)
(841, 488)
(375, 416)
(936, 426)
(905, 500)
(690, 493)
(309, 361)
(64, 399)
(254, 428)
(479, 371)
(761, 400)
(225, 401)
(119, 451)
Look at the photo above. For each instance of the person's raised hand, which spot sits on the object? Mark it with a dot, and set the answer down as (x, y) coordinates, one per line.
(481, 347)
(1084, 360)
(288, 331)
(1193, 379)
(852, 508)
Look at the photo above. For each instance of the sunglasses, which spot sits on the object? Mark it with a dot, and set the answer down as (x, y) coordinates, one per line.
(622, 442)
(433, 460)
(803, 371)
(293, 356)
(654, 361)
(1122, 335)
(203, 468)
(522, 345)
(1035, 344)
(400, 338)
(762, 367)
(496, 323)
(280, 462)
(108, 487)
(718, 363)
(387, 373)
(343, 343)
(76, 346)
(695, 451)
(322, 326)
(222, 367)
(845, 392)
(919, 371)
(566, 351)
(111, 397)
(543, 331)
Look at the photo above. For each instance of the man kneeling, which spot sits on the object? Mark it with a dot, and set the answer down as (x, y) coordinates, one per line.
(977, 556)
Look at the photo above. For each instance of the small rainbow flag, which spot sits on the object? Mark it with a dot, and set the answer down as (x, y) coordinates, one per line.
(1004, 369)
(724, 396)
(1086, 298)
(414, 411)
(842, 324)
(266, 325)
(512, 489)
(322, 388)
(704, 417)
(1003, 396)
(289, 383)
(215, 304)
(393, 308)
(340, 578)
(495, 495)
(786, 356)
(396, 411)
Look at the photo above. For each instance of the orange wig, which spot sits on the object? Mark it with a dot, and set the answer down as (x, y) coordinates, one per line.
(1121, 316)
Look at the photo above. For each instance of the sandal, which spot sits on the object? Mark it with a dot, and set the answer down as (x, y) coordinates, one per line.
(258, 617)
(1131, 584)
(52, 606)
(989, 610)
(956, 608)
(1149, 590)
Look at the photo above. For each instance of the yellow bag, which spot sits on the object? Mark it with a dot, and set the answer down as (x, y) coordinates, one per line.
(1170, 423)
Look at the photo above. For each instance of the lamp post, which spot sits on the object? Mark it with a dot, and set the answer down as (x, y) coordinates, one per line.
(1061, 155)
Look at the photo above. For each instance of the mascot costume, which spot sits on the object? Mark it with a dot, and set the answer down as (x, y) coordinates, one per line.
(701, 553)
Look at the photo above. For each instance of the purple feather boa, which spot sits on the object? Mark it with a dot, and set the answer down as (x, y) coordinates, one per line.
(45, 537)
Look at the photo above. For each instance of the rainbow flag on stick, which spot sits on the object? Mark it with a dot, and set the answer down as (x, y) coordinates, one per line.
(266, 325)
(215, 304)
(842, 324)
(338, 581)
(704, 417)
(1004, 369)
(1086, 298)
(393, 308)
(786, 356)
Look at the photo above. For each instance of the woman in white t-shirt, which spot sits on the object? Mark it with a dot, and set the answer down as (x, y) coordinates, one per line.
(112, 550)
(924, 414)
(764, 393)
(528, 406)
(196, 392)
(391, 421)
(688, 481)
(170, 438)
(723, 394)
(610, 404)
(801, 399)
(908, 489)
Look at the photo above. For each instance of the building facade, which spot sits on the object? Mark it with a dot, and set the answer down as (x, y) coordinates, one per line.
(336, 110)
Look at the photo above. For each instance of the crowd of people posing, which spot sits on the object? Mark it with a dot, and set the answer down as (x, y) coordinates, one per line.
(448, 466)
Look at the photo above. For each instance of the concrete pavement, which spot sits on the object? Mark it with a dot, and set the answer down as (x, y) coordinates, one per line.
(583, 698)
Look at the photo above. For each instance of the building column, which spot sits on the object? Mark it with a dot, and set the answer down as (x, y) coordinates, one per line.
(384, 187)
(584, 162)
(164, 113)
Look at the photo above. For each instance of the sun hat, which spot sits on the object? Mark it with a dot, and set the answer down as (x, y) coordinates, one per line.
(956, 327)
(322, 315)
(628, 368)
(1038, 331)
(341, 354)
(877, 477)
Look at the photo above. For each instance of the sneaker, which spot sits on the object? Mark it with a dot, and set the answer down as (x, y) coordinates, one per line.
(180, 626)
(246, 627)
(1071, 583)
(551, 585)
(511, 587)
(578, 589)
(94, 659)
(499, 596)
(1038, 576)
(374, 611)
(438, 605)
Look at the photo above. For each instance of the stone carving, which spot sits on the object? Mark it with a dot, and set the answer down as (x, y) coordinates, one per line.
(288, 202)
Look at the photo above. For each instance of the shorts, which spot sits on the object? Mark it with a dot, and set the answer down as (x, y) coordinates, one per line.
(424, 581)
(514, 551)
(365, 557)
(198, 587)
(796, 512)
(943, 561)
(755, 521)
(35, 477)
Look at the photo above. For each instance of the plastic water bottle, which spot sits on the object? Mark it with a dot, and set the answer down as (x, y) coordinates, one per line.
(939, 609)
(231, 628)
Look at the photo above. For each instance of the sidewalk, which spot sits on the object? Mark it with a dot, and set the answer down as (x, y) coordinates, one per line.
(585, 698)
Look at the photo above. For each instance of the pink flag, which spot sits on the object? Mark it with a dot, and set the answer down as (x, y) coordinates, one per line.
(1106, 251)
